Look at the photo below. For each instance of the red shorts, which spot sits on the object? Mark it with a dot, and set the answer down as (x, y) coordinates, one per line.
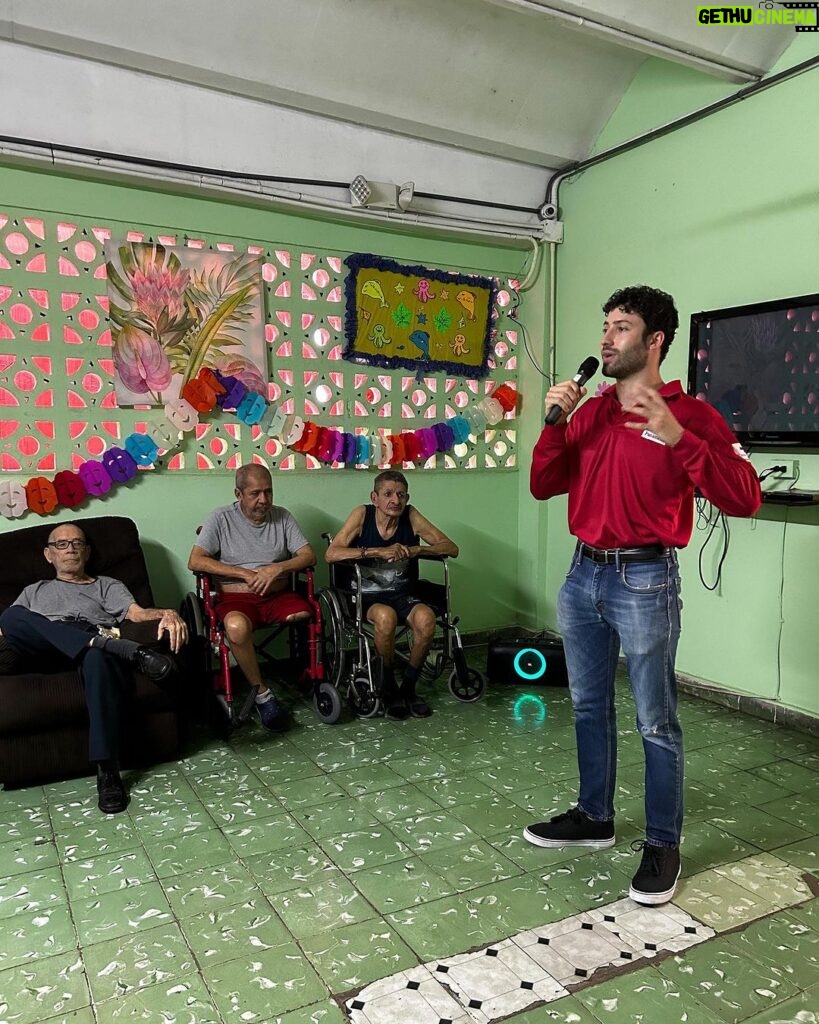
(262, 609)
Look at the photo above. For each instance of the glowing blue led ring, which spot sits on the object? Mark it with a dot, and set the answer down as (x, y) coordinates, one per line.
(530, 675)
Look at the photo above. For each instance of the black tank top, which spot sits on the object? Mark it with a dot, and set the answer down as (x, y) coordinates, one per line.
(391, 577)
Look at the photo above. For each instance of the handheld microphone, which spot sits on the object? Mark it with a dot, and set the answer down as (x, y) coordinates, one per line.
(587, 369)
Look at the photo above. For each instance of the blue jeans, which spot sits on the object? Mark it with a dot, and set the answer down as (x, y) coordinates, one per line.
(636, 605)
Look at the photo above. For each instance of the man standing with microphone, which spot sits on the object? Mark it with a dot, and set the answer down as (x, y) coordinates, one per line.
(630, 461)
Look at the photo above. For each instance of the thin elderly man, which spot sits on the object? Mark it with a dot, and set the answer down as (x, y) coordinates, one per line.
(250, 548)
(70, 621)
(386, 537)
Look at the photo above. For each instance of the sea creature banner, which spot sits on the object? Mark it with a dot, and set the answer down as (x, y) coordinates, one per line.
(174, 311)
(421, 319)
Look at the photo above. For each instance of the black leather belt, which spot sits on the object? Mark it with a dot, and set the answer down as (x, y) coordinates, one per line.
(615, 556)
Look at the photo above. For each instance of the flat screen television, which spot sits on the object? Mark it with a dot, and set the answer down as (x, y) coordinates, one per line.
(758, 365)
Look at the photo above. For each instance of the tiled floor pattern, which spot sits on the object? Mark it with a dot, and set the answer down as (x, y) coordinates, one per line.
(266, 879)
(543, 964)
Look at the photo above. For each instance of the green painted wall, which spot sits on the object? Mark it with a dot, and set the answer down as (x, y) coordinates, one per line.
(720, 213)
(469, 505)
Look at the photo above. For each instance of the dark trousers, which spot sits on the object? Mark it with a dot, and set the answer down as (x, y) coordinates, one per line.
(46, 646)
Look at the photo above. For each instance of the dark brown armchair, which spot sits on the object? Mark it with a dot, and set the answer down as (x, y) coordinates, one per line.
(43, 720)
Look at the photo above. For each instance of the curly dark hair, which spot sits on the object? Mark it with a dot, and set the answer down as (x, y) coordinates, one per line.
(655, 307)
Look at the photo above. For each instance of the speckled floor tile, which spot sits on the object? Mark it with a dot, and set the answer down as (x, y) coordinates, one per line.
(444, 927)
(41, 990)
(244, 989)
(803, 855)
(799, 1009)
(564, 1011)
(30, 892)
(643, 997)
(97, 835)
(370, 779)
(122, 912)
(401, 884)
(352, 956)
(22, 856)
(326, 1012)
(399, 802)
(768, 878)
(719, 902)
(705, 846)
(286, 869)
(174, 854)
(324, 905)
(354, 851)
(782, 943)
(23, 822)
(179, 1001)
(256, 838)
(471, 865)
(726, 981)
(492, 813)
(36, 935)
(196, 892)
(321, 790)
(343, 816)
(131, 962)
(756, 827)
(427, 832)
(97, 875)
(242, 930)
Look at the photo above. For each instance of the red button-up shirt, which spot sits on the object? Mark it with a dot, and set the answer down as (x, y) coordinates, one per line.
(626, 487)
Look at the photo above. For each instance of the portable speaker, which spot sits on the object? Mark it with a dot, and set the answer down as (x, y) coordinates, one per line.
(533, 662)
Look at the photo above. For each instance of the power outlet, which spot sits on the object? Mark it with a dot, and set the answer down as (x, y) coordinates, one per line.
(791, 469)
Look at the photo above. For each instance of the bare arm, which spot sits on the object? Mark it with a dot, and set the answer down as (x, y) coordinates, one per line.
(200, 561)
(437, 542)
(169, 622)
(341, 547)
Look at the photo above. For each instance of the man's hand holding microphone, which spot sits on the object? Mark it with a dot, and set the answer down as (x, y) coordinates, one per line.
(562, 398)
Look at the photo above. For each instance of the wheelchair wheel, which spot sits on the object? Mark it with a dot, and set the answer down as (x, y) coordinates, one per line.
(467, 685)
(332, 638)
(363, 698)
(327, 703)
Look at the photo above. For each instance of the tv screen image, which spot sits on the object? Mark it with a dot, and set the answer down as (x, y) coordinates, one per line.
(758, 366)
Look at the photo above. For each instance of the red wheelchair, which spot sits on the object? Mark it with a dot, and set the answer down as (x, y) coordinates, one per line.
(210, 650)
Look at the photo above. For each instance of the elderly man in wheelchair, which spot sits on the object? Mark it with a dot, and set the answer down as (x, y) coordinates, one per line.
(251, 548)
(381, 544)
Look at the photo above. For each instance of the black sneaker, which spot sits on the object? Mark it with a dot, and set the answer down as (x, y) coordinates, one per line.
(574, 828)
(657, 875)
(112, 797)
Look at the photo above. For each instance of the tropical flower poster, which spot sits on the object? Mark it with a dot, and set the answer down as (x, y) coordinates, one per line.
(175, 311)
(418, 318)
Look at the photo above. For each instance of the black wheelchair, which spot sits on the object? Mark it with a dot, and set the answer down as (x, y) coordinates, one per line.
(351, 664)
(208, 647)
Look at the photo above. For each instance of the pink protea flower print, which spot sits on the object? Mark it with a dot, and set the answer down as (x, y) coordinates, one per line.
(141, 362)
(158, 290)
(247, 372)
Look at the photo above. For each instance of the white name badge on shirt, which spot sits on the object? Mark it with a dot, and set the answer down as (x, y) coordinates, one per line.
(649, 435)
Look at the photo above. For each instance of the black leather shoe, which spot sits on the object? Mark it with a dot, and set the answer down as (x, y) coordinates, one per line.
(154, 664)
(113, 797)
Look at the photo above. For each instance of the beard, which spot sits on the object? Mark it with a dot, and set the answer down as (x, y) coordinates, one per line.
(626, 363)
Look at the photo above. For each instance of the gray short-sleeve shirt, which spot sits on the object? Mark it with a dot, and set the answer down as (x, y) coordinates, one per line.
(231, 537)
(104, 601)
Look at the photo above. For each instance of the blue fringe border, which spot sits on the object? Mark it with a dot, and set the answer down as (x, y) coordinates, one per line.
(360, 260)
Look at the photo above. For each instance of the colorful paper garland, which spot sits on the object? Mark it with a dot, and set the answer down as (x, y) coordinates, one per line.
(211, 389)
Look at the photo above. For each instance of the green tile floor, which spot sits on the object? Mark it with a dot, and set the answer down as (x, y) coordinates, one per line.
(261, 877)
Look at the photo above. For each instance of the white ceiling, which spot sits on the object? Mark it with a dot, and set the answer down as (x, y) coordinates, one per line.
(478, 99)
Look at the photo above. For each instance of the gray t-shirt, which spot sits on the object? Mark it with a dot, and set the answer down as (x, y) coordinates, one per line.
(231, 537)
(104, 601)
